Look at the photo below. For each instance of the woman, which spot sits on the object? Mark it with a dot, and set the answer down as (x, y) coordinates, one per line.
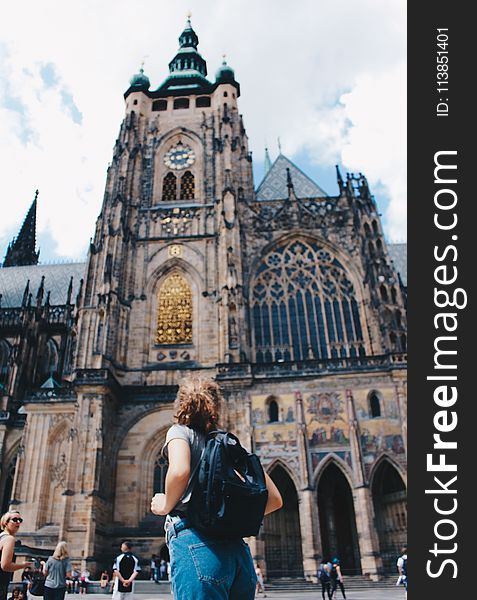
(201, 568)
(260, 585)
(9, 525)
(103, 581)
(336, 579)
(57, 570)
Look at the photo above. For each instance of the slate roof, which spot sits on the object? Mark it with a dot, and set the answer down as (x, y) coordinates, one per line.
(398, 253)
(274, 184)
(57, 279)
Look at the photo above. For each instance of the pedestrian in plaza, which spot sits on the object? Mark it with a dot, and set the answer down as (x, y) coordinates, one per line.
(75, 577)
(126, 568)
(57, 569)
(9, 525)
(153, 568)
(15, 593)
(260, 587)
(104, 580)
(84, 581)
(324, 577)
(402, 568)
(163, 570)
(336, 579)
(201, 568)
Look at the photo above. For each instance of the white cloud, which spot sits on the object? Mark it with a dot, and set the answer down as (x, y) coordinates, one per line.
(294, 64)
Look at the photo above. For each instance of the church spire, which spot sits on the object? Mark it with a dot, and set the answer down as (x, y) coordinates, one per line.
(187, 58)
(21, 251)
(268, 162)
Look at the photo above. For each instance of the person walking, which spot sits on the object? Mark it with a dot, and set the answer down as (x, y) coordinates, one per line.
(57, 569)
(9, 525)
(125, 569)
(260, 587)
(324, 577)
(402, 568)
(336, 579)
(219, 569)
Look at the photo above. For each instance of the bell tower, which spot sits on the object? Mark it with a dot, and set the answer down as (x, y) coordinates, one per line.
(165, 287)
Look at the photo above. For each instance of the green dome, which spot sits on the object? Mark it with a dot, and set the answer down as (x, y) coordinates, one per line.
(225, 73)
(139, 80)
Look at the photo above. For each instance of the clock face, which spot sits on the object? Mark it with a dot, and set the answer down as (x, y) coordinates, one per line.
(179, 157)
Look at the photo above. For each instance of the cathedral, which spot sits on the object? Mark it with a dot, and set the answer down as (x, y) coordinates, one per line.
(290, 298)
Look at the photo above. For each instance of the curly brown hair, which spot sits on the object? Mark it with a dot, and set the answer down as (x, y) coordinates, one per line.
(198, 404)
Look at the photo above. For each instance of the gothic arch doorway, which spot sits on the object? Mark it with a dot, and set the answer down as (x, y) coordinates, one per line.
(282, 534)
(337, 520)
(390, 508)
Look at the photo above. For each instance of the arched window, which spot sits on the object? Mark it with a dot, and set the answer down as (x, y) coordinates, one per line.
(374, 405)
(4, 361)
(398, 319)
(379, 245)
(375, 227)
(273, 411)
(160, 471)
(367, 230)
(174, 321)
(187, 186)
(393, 295)
(384, 293)
(303, 305)
(48, 366)
(371, 248)
(169, 187)
(403, 342)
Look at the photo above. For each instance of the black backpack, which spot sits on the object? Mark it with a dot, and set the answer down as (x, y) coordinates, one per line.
(224, 505)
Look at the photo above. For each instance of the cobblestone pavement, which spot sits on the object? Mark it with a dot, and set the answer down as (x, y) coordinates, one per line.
(371, 594)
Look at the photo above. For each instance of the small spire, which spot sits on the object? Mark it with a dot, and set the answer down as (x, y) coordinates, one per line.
(339, 179)
(40, 292)
(289, 183)
(70, 291)
(21, 251)
(26, 291)
(279, 146)
(268, 162)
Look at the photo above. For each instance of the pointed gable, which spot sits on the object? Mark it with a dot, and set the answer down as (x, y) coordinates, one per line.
(274, 184)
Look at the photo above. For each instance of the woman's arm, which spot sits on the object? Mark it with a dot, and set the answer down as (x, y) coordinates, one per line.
(177, 477)
(7, 556)
(274, 501)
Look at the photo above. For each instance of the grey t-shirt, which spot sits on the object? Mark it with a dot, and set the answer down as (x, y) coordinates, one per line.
(57, 570)
(196, 442)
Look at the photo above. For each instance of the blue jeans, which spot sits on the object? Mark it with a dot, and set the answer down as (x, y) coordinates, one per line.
(205, 569)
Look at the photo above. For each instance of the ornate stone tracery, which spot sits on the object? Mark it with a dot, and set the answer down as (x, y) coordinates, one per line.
(304, 305)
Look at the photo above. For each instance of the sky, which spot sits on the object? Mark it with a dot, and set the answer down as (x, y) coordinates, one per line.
(327, 77)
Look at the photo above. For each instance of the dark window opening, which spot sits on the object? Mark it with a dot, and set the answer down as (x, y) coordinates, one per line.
(181, 103)
(374, 406)
(384, 293)
(159, 105)
(273, 412)
(226, 94)
(135, 102)
(169, 187)
(187, 186)
(202, 102)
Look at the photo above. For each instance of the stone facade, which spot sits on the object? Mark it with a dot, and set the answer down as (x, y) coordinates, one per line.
(291, 302)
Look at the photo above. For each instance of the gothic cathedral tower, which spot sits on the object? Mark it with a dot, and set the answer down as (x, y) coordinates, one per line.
(164, 264)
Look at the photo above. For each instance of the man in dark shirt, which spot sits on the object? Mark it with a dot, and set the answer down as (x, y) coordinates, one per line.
(125, 570)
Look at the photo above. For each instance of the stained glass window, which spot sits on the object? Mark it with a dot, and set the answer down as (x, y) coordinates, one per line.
(303, 306)
(174, 321)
